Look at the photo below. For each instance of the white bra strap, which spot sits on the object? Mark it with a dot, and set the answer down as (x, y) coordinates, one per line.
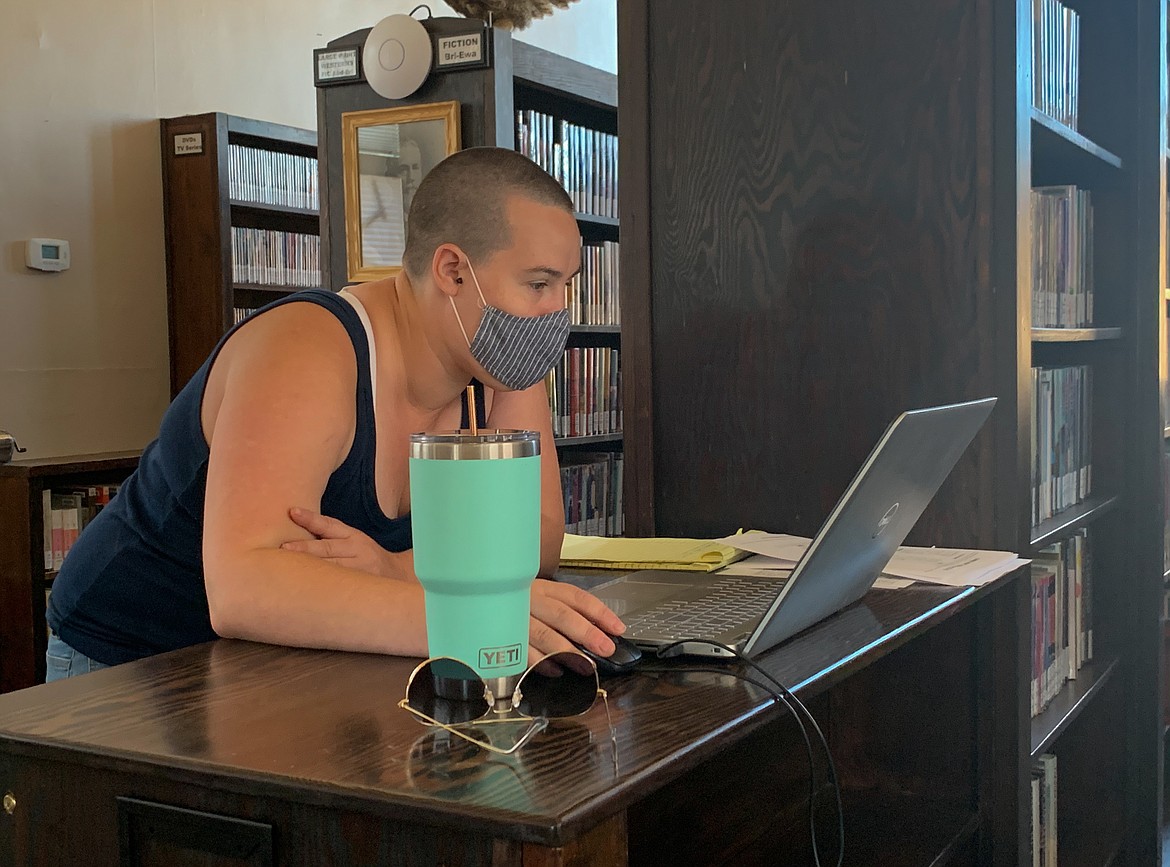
(365, 318)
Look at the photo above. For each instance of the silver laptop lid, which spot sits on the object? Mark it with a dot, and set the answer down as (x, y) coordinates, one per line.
(872, 518)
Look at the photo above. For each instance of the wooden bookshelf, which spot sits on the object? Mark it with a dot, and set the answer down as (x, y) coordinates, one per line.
(1050, 723)
(309, 218)
(597, 221)
(594, 439)
(200, 214)
(1064, 523)
(23, 577)
(803, 290)
(1074, 335)
(1052, 141)
(521, 78)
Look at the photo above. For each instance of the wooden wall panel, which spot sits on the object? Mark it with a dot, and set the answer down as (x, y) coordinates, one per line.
(820, 252)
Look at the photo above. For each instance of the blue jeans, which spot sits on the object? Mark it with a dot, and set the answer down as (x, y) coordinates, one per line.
(62, 661)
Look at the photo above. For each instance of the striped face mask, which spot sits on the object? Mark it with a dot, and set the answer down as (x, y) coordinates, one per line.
(516, 351)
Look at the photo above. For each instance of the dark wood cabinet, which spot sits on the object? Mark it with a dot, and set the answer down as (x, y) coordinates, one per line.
(24, 578)
(829, 207)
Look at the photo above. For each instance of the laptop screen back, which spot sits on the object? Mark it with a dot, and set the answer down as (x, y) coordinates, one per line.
(873, 517)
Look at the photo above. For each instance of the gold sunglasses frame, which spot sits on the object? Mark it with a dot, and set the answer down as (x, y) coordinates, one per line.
(539, 723)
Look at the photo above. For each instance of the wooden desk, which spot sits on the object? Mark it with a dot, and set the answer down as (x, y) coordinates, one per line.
(237, 749)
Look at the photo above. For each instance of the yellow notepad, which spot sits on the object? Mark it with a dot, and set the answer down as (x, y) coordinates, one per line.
(691, 555)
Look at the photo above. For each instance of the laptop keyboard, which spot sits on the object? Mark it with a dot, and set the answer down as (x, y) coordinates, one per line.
(732, 603)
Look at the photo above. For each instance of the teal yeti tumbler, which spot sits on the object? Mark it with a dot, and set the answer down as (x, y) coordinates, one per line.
(475, 518)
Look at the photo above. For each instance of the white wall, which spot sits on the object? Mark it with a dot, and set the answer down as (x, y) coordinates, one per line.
(83, 354)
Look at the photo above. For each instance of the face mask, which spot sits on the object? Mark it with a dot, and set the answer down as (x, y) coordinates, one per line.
(516, 351)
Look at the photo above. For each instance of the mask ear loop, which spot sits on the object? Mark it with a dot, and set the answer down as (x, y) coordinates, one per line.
(475, 280)
(482, 303)
(459, 319)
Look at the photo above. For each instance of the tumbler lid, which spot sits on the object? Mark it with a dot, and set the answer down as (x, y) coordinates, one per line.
(488, 444)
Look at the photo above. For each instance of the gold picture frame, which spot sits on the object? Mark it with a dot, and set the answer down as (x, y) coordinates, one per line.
(385, 153)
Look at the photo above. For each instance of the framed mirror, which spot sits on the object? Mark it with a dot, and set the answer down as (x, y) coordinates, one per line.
(386, 153)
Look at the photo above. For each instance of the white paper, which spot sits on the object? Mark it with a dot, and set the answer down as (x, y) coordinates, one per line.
(779, 546)
(978, 580)
(744, 569)
(748, 571)
(952, 567)
(763, 561)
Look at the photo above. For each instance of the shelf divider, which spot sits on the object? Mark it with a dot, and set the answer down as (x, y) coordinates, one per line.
(1073, 698)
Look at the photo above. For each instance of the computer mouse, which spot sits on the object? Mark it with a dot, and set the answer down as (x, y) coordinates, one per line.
(624, 658)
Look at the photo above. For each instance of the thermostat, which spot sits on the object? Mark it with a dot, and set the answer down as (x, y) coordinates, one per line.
(47, 254)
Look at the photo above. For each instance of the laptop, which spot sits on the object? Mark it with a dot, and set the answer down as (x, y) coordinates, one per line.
(873, 517)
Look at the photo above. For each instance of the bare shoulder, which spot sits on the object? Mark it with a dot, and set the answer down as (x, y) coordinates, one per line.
(295, 349)
(301, 325)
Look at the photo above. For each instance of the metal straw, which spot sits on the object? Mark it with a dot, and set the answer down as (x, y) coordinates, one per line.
(471, 412)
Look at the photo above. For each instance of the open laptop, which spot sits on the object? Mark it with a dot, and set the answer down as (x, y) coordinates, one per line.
(872, 518)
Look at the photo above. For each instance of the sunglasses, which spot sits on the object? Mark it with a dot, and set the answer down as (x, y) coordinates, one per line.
(450, 694)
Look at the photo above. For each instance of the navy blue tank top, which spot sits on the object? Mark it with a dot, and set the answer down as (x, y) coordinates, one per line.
(132, 585)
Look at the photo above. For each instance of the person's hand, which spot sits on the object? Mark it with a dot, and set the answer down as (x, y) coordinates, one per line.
(563, 614)
(340, 543)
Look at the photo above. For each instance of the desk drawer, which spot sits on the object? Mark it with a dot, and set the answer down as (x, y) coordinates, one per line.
(102, 811)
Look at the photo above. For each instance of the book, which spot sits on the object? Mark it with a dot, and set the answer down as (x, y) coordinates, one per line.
(690, 555)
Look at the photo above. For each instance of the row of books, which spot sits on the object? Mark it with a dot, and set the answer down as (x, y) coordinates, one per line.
(1062, 617)
(584, 160)
(1062, 441)
(583, 392)
(1062, 257)
(591, 484)
(272, 178)
(268, 257)
(592, 296)
(66, 512)
(1056, 60)
(1044, 839)
(239, 314)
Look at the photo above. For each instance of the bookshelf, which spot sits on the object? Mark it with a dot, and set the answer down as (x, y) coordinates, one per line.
(241, 215)
(24, 578)
(562, 114)
(836, 224)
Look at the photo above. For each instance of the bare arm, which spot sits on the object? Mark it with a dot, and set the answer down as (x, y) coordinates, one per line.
(283, 423)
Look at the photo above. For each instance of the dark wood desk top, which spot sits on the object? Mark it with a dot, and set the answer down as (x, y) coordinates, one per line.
(70, 464)
(322, 727)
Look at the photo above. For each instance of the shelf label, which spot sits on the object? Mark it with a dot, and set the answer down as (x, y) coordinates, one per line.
(188, 143)
(336, 65)
(461, 50)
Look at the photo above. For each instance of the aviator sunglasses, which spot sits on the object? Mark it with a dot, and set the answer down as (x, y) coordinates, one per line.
(450, 694)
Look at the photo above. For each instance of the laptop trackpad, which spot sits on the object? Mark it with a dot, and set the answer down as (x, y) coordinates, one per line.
(636, 591)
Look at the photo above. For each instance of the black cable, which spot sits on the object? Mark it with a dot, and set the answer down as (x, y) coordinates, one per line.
(430, 14)
(788, 699)
(812, 770)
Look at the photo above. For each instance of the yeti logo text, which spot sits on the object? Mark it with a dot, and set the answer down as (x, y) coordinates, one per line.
(885, 521)
(499, 657)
